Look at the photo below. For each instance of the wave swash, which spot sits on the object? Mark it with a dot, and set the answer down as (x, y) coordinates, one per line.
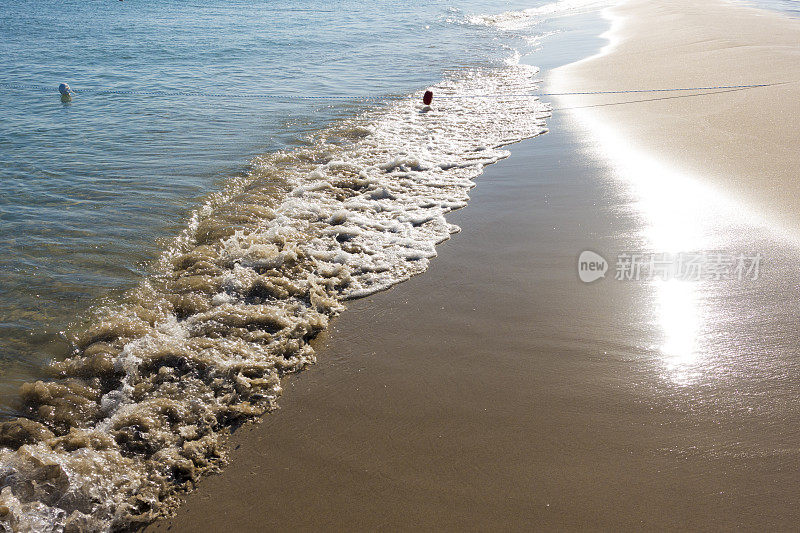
(158, 379)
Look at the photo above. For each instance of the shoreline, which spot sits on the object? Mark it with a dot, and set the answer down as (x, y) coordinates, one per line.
(445, 402)
(497, 391)
(159, 379)
(357, 356)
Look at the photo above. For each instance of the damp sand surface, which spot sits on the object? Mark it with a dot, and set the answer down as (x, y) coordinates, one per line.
(497, 391)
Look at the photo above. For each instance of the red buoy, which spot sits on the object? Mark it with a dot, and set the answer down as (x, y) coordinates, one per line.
(427, 98)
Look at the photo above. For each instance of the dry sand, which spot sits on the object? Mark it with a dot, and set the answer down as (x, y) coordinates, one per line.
(496, 391)
(743, 141)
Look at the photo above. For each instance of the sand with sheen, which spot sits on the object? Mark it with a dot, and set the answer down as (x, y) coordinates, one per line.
(741, 141)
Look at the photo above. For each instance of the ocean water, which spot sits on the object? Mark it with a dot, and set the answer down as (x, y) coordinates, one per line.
(174, 235)
(94, 189)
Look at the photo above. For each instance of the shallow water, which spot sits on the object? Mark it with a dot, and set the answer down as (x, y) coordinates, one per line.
(95, 187)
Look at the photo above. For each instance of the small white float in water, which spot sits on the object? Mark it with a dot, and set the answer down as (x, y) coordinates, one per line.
(66, 92)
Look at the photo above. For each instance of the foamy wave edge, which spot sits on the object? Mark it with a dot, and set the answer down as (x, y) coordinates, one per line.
(515, 20)
(158, 380)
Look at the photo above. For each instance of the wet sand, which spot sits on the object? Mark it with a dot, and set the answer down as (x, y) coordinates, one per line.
(498, 391)
(465, 398)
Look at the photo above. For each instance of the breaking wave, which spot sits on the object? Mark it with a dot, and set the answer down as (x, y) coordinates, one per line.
(516, 20)
(159, 378)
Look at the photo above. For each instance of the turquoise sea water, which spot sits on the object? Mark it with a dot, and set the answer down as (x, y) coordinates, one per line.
(91, 187)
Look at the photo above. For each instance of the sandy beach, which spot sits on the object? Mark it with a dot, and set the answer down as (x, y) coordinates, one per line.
(497, 391)
(738, 140)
